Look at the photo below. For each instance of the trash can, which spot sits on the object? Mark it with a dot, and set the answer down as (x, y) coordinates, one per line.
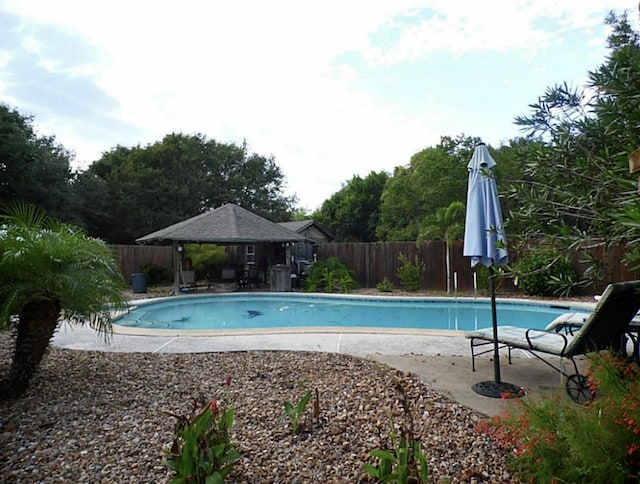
(280, 278)
(139, 282)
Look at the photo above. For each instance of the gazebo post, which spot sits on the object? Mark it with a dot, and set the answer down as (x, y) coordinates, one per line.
(177, 254)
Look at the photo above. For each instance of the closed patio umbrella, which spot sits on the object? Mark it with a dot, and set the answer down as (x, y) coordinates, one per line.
(485, 242)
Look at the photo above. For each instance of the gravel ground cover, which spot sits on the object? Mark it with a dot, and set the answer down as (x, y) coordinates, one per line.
(99, 417)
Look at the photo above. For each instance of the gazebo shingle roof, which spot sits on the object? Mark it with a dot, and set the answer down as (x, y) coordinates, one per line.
(228, 224)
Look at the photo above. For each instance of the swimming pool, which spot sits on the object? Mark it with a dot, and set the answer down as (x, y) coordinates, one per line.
(269, 311)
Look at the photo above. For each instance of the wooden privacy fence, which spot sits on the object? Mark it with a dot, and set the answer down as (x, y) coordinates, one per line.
(133, 257)
(375, 261)
(372, 262)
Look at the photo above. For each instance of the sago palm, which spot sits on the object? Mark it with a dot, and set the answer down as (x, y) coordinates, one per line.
(50, 271)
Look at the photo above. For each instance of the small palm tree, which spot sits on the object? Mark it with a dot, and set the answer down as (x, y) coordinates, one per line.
(446, 224)
(50, 271)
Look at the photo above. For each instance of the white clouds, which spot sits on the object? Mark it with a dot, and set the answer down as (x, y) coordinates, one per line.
(276, 73)
(490, 26)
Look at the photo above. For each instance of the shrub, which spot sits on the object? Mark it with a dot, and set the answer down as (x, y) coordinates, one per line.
(483, 275)
(555, 440)
(157, 275)
(330, 275)
(385, 286)
(544, 271)
(204, 256)
(410, 273)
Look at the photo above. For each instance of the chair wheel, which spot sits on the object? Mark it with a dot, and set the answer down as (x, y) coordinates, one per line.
(578, 389)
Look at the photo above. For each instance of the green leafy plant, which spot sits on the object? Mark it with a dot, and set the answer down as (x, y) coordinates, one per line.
(346, 283)
(157, 275)
(594, 272)
(330, 275)
(403, 460)
(544, 271)
(555, 440)
(385, 286)
(202, 451)
(205, 256)
(295, 412)
(410, 273)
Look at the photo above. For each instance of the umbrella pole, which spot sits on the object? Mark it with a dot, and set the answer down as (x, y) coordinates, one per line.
(494, 324)
(496, 388)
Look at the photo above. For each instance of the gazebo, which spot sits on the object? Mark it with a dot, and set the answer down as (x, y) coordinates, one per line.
(229, 224)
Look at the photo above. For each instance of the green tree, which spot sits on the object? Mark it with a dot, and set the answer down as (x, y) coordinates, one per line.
(353, 213)
(511, 173)
(446, 224)
(179, 177)
(576, 188)
(257, 186)
(151, 187)
(33, 169)
(617, 82)
(434, 178)
(299, 214)
(400, 207)
(89, 205)
(49, 271)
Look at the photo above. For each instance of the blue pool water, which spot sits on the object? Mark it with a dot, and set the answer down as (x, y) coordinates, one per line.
(259, 311)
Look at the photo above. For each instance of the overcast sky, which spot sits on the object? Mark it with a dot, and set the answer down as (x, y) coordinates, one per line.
(330, 89)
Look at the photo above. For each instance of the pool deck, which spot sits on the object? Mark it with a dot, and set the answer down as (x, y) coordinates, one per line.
(441, 359)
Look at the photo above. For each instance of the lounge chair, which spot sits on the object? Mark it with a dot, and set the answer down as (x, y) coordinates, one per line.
(606, 328)
(572, 322)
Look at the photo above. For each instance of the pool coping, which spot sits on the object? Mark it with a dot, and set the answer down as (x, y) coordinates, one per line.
(136, 331)
(133, 331)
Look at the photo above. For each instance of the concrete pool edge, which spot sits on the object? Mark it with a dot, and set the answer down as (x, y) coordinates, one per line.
(569, 306)
(516, 300)
(152, 332)
(426, 342)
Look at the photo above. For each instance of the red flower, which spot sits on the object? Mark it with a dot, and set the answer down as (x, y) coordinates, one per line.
(213, 405)
(506, 395)
(229, 381)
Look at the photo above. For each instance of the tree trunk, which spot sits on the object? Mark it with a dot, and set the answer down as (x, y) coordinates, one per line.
(38, 322)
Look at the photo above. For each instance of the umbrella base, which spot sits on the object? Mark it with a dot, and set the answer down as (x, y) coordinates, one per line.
(496, 389)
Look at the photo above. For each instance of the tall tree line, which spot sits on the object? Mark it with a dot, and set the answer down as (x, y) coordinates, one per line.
(33, 168)
(131, 191)
(404, 205)
(182, 176)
